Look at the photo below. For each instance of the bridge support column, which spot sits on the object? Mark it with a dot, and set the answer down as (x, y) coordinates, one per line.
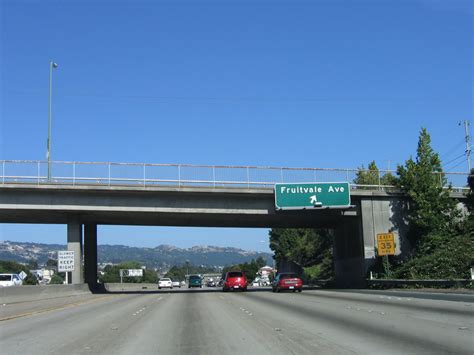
(74, 243)
(90, 255)
(349, 264)
(383, 216)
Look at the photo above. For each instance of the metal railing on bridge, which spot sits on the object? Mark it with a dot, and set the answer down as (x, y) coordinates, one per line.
(187, 175)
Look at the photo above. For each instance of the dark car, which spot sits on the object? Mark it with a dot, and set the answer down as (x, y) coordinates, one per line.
(211, 283)
(287, 281)
(234, 280)
(195, 281)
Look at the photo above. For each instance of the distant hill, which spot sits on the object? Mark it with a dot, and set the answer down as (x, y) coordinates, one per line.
(160, 256)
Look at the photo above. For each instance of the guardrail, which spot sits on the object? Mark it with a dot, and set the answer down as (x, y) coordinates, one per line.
(388, 283)
(144, 174)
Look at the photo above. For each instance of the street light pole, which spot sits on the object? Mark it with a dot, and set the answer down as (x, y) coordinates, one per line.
(52, 65)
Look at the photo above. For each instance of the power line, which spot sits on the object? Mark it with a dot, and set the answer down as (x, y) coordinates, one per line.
(455, 166)
(453, 160)
(449, 168)
(467, 152)
(453, 149)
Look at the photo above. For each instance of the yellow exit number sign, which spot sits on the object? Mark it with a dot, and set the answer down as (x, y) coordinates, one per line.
(385, 244)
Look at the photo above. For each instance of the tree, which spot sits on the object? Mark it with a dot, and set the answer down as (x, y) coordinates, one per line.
(32, 264)
(369, 176)
(470, 195)
(430, 210)
(304, 247)
(177, 272)
(372, 176)
(52, 263)
(469, 223)
(56, 280)
(442, 248)
(149, 276)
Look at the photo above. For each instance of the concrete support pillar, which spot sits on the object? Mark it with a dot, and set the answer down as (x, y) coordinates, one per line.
(74, 243)
(383, 216)
(349, 263)
(90, 255)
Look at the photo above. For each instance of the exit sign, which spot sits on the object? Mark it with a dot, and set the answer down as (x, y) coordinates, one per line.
(385, 244)
(316, 195)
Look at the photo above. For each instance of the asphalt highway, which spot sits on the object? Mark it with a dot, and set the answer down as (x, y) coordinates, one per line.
(255, 322)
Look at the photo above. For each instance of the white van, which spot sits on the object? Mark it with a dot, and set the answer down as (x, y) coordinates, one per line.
(7, 280)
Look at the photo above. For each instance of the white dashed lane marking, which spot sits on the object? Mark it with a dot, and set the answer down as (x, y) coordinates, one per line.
(144, 308)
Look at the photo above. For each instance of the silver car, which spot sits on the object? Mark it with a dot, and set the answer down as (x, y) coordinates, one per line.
(165, 283)
(176, 284)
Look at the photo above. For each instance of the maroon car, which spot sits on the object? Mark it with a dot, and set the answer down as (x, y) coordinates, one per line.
(234, 280)
(287, 281)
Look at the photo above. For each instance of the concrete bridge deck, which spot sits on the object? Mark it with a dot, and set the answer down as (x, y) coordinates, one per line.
(165, 206)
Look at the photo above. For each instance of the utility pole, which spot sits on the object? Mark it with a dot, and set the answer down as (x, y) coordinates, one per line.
(468, 145)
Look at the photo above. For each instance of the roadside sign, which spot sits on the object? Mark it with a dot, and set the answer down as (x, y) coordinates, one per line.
(135, 272)
(22, 275)
(131, 272)
(315, 195)
(65, 260)
(385, 244)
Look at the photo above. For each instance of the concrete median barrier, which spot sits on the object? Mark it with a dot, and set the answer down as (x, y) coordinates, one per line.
(19, 294)
(117, 287)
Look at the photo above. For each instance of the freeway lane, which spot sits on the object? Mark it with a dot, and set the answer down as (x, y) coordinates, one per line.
(260, 322)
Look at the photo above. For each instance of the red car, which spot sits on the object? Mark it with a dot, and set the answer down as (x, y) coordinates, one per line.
(235, 280)
(287, 281)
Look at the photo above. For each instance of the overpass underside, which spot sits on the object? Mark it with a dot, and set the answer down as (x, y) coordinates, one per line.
(313, 219)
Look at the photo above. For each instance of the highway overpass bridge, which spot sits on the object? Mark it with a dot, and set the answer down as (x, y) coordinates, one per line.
(83, 203)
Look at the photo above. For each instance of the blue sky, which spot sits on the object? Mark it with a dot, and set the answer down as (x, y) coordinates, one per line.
(283, 83)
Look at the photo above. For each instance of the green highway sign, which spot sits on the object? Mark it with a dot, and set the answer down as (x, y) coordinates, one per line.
(316, 195)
